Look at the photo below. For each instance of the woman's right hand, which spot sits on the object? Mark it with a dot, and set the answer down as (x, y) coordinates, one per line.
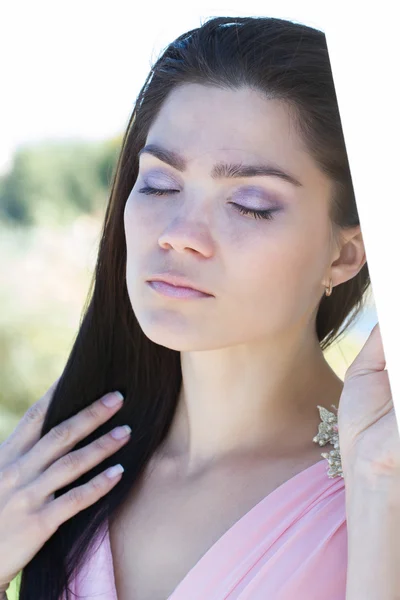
(33, 468)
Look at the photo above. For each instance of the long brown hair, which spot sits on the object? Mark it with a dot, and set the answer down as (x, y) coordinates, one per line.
(284, 60)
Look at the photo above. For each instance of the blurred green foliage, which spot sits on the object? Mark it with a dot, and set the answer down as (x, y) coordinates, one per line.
(55, 181)
(13, 590)
(51, 203)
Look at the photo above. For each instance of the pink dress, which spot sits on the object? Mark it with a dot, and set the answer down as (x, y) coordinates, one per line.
(292, 545)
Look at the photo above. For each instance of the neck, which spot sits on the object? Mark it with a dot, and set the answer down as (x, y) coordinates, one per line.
(249, 399)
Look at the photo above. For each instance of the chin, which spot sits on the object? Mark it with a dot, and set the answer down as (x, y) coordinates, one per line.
(179, 338)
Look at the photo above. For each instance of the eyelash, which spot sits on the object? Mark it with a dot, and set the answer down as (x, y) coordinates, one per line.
(257, 214)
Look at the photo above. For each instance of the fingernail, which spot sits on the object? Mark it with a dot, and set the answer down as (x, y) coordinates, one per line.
(115, 470)
(112, 399)
(120, 432)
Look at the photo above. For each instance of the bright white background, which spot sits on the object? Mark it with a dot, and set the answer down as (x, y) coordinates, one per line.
(73, 68)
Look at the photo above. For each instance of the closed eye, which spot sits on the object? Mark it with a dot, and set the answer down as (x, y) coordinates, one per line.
(257, 214)
(156, 192)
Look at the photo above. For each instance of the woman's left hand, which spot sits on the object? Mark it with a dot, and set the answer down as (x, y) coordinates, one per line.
(368, 434)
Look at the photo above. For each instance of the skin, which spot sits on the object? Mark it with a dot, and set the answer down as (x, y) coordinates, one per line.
(251, 363)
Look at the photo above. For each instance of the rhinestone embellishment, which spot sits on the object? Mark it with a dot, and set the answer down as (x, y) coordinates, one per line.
(328, 432)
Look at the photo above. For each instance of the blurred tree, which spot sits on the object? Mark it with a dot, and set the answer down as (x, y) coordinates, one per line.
(107, 160)
(44, 233)
(54, 182)
(14, 206)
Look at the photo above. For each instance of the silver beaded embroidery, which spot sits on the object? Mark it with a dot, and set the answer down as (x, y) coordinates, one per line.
(328, 432)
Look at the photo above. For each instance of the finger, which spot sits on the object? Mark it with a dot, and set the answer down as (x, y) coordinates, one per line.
(56, 512)
(70, 467)
(63, 437)
(371, 357)
(27, 431)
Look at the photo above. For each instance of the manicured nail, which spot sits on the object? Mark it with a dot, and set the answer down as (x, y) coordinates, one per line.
(114, 471)
(112, 399)
(120, 432)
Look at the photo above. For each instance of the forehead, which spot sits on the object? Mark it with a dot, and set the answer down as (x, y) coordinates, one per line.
(206, 123)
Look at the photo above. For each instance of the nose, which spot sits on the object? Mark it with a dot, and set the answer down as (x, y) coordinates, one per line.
(187, 235)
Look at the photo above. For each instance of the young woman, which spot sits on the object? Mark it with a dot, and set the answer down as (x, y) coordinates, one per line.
(231, 257)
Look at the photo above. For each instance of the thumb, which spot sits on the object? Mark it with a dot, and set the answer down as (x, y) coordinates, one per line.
(371, 358)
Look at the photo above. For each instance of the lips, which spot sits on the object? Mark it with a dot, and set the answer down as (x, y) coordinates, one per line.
(178, 280)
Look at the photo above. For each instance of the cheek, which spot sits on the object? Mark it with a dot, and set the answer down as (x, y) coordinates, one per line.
(137, 223)
(279, 273)
(134, 238)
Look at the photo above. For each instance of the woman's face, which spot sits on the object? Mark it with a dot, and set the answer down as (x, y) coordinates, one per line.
(265, 275)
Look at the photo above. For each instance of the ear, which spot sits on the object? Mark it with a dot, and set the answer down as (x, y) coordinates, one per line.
(349, 257)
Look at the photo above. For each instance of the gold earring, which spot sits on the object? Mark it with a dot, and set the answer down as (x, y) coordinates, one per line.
(328, 290)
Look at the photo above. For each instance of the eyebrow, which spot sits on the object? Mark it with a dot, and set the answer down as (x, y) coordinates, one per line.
(220, 170)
